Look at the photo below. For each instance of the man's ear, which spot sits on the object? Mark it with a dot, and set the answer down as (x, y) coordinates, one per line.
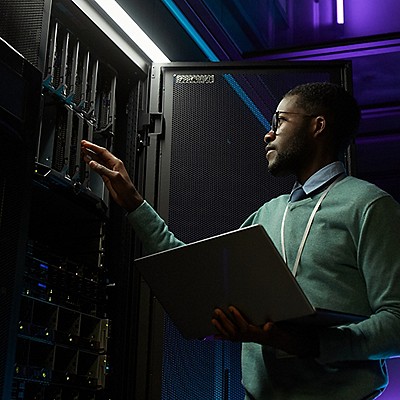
(320, 126)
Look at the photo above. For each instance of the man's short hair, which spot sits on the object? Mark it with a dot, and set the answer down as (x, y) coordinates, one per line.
(337, 105)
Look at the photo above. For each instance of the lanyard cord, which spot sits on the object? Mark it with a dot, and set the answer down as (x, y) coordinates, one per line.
(308, 227)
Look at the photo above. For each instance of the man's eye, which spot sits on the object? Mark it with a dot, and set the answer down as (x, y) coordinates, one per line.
(279, 120)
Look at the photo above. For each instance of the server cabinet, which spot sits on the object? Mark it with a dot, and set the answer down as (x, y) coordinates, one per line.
(209, 173)
(20, 88)
(68, 292)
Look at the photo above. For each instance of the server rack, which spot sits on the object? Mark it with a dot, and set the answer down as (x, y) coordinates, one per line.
(72, 306)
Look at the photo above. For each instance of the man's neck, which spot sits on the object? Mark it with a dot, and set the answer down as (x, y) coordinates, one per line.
(303, 175)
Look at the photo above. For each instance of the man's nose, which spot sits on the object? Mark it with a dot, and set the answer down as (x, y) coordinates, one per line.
(269, 136)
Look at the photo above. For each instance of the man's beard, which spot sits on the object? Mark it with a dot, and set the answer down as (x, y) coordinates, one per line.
(292, 159)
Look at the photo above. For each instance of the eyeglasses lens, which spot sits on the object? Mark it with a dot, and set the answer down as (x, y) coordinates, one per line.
(274, 122)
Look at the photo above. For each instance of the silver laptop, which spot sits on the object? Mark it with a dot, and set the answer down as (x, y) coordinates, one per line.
(240, 268)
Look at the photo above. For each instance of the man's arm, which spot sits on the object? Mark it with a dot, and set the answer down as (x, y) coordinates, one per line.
(379, 263)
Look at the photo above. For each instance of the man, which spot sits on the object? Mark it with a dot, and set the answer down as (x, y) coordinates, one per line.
(340, 238)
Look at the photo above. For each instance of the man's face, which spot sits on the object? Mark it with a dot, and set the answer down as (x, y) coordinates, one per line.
(290, 148)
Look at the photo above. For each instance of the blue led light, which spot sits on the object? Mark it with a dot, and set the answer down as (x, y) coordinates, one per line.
(42, 285)
(177, 13)
(43, 266)
(247, 100)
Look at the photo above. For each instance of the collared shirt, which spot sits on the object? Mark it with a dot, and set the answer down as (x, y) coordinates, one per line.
(320, 178)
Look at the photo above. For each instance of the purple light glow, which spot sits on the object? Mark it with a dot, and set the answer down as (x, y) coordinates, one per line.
(316, 16)
(383, 139)
(378, 139)
(338, 52)
(393, 390)
(371, 17)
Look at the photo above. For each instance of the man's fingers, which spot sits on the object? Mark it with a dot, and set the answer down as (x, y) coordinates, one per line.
(224, 324)
(99, 154)
(239, 319)
(101, 169)
(91, 146)
(220, 328)
(89, 154)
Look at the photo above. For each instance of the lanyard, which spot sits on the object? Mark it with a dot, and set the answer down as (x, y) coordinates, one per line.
(308, 227)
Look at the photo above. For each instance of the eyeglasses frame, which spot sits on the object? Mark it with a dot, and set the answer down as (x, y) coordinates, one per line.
(275, 118)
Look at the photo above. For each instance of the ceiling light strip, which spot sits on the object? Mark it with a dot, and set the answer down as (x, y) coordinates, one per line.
(340, 12)
(108, 13)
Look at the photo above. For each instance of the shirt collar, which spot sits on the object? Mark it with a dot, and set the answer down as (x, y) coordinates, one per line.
(321, 177)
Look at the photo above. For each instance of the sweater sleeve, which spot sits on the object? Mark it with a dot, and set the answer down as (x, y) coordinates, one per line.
(152, 230)
(378, 256)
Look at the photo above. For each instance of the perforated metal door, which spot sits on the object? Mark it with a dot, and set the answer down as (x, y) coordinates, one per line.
(213, 176)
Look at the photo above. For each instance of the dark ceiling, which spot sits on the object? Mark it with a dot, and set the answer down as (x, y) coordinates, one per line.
(297, 30)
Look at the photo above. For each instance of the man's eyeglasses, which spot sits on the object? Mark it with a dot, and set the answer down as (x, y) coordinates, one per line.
(275, 123)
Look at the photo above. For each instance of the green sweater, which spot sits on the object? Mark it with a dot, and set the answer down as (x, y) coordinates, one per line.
(351, 263)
